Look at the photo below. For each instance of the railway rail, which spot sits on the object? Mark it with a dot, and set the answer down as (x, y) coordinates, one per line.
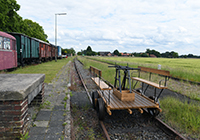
(169, 133)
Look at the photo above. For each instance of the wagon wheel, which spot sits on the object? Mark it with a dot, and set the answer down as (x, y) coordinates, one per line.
(94, 96)
(153, 111)
(101, 109)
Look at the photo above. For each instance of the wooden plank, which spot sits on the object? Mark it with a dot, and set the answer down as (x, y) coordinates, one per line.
(112, 100)
(145, 102)
(161, 72)
(96, 71)
(101, 84)
(149, 83)
(139, 102)
(115, 100)
(112, 104)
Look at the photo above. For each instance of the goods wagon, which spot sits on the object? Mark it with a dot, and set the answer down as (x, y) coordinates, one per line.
(27, 49)
(45, 51)
(8, 52)
(53, 51)
(48, 54)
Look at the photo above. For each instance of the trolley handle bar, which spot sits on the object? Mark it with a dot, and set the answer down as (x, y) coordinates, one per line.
(124, 67)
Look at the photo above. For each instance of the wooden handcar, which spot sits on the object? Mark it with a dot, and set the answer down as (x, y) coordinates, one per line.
(121, 95)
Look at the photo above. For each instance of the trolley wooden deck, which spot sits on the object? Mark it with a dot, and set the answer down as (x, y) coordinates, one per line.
(113, 103)
(140, 101)
(105, 100)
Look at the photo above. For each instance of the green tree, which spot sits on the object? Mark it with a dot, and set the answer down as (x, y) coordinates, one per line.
(144, 55)
(79, 53)
(156, 53)
(171, 54)
(116, 52)
(33, 29)
(174, 54)
(10, 20)
(68, 51)
(89, 49)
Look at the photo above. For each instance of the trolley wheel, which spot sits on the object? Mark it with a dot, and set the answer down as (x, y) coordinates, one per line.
(101, 109)
(94, 96)
(153, 111)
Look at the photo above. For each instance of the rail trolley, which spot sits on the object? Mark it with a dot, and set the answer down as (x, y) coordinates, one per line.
(120, 96)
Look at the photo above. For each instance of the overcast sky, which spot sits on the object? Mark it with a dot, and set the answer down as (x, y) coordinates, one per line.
(126, 25)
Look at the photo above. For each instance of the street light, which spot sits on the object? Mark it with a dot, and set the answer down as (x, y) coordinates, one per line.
(56, 31)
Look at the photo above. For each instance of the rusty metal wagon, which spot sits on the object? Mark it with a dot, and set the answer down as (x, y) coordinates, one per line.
(121, 96)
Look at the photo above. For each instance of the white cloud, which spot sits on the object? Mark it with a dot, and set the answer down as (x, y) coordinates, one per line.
(128, 25)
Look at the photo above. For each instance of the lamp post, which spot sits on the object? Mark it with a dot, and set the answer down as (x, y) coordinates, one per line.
(56, 32)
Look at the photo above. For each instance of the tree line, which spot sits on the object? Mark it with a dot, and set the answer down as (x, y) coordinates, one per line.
(147, 53)
(68, 51)
(88, 52)
(11, 21)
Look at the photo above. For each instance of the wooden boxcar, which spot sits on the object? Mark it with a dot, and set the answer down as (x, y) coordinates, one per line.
(53, 51)
(27, 49)
(8, 52)
(45, 51)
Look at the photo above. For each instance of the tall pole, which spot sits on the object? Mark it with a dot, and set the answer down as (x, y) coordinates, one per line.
(56, 32)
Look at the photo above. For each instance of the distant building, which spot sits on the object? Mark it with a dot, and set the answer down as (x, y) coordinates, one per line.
(152, 55)
(105, 54)
(125, 54)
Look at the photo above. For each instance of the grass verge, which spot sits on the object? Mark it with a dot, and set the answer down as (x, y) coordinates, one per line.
(50, 69)
(184, 116)
(187, 69)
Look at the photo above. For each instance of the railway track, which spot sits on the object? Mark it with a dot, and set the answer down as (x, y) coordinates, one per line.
(122, 125)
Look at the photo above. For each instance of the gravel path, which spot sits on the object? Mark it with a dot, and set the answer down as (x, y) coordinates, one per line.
(52, 122)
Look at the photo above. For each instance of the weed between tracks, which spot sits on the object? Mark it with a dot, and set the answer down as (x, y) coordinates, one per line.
(85, 123)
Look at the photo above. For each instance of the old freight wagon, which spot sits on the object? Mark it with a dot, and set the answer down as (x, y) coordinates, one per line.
(54, 51)
(8, 53)
(27, 49)
(45, 51)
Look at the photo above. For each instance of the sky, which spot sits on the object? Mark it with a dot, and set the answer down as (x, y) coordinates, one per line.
(126, 25)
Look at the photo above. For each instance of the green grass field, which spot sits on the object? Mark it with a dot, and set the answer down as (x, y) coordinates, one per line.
(50, 69)
(182, 116)
(187, 69)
